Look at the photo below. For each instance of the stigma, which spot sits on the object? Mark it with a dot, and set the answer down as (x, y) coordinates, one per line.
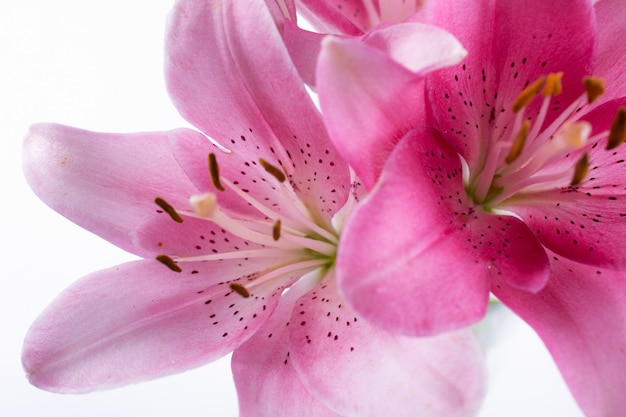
(536, 154)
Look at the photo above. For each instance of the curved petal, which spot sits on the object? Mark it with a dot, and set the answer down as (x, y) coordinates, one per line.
(415, 257)
(97, 181)
(140, 321)
(229, 73)
(328, 18)
(610, 15)
(369, 101)
(361, 370)
(267, 384)
(509, 46)
(580, 317)
(304, 48)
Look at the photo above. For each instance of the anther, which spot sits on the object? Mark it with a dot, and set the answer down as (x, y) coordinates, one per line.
(240, 289)
(214, 171)
(580, 171)
(617, 134)
(169, 262)
(594, 87)
(528, 94)
(168, 209)
(518, 143)
(203, 204)
(276, 230)
(553, 86)
(273, 170)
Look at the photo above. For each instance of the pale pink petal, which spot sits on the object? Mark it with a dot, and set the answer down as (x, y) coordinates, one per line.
(361, 370)
(580, 316)
(350, 19)
(304, 48)
(415, 259)
(229, 73)
(509, 46)
(369, 100)
(139, 321)
(267, 384)
(97, 181)
(610, 18)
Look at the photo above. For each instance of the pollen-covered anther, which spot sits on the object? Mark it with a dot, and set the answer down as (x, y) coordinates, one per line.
(214, 172)
(553, 85)
(580, 170)
(169, 262)
(594, 87)
(168, 209)
(276, 230)
(240, 289)
(518, 142)
(617, 134)
(528, 94)
(203, 204)
(273, 170)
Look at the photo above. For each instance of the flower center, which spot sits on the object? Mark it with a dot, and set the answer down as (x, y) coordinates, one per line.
(295, 243)
(535, 156)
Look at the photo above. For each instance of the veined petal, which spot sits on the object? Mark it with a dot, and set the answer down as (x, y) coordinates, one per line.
(267, 384)
(304, 48)
(580, 315)
(369, 101)
(139, 321)
(416, 259)
(610, 15)
(329, 18)
(229, 73)
(361, 370)
(97, 181)
(509, 47)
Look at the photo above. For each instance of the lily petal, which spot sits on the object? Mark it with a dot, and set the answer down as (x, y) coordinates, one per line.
(361, 370)
(229, 73)
(140, 321)
(413, 238)
(97, 181)
(610, 14)
(571, 315)
(267, 384)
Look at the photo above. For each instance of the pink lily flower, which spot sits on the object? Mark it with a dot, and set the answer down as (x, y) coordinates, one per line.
(511, 181)
(245, 242)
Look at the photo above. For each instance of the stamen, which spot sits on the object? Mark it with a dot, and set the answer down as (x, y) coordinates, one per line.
(214, 171)
(169, 262)
(528, 94)
(553, 86)
(617, 134)
(276, 230)
(168, 209)
(594, 87)
(518, 143)
(273, 170)
(203, 204)
(580, 171)
(240, 289)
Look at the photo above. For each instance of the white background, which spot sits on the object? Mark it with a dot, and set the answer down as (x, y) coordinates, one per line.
(98, 65)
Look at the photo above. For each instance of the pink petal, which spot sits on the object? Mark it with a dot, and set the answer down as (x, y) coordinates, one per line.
(509, 46)
(328, 18)
(610, 17)
(229, 73)
(360, 370)
(140, 321)
(97, 181)
(415, 258)
(580, 316)
(267, 384)
(304, 48)
(369, 101)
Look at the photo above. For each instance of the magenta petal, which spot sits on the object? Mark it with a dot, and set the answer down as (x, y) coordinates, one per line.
(580, 317)
(610, 18)
(369, 102)
(415, 259)
(304, 47)
(267, 384)
(139, 321)
(361, 370)
(97, 181)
